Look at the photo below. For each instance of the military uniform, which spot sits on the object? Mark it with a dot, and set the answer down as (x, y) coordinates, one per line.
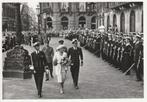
(137, 55)
(98, 45)
(127, 58)
(39, 62)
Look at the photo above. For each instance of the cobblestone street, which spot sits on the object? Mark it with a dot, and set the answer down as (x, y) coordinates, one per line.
(97, 80)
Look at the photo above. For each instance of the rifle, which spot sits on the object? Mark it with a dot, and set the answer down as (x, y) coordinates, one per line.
(129, 69)
(138, 62)
(118, 54)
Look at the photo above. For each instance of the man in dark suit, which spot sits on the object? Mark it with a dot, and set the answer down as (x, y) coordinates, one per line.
(49, 53)
(75, 54)
(39, 63)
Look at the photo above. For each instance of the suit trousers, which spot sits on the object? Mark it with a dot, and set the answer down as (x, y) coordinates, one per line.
(75, 72)
(39, 80)
(50, 66)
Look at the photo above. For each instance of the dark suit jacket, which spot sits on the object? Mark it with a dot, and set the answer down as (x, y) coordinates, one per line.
(39, 61)
(75, 55)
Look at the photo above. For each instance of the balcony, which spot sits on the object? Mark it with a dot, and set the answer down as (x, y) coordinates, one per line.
(124, 5)
(65, 11)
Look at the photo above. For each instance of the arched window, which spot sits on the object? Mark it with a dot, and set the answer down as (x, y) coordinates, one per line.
(4, 26)
(108, 22)
(142, 23)
(64, 22)
(93, 22)
(82, 21)
(100, 22)
(132, 21)
(114, 20)
(49, 22)
(122, 22)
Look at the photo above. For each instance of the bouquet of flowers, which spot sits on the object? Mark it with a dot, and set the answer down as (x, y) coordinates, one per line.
(64, 61)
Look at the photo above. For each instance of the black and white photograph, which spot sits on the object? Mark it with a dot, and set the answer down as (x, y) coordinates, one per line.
(72, 50)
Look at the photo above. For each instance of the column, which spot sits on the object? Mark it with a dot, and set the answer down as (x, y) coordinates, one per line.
(18, 24)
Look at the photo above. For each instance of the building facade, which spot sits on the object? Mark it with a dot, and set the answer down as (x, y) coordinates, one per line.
(8, 16)
(28, 18)
(61, 16)
(127, 16)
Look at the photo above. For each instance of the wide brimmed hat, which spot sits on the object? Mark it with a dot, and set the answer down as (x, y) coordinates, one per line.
(60, 47)
(36, 44)
(74, 40)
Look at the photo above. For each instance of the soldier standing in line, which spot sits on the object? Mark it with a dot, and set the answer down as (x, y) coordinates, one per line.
(98, 45)
(141, 66)
(127, 55)
(132, 50)
(102, 46)
(109, 48)
(137, 55)
(113, 50)
(119, 52)
(94, 44)
(106, 48)
(116, 52)
(122, 54)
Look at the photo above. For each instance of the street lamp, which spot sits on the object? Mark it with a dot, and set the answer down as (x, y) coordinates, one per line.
(38, 14)
(18, 24)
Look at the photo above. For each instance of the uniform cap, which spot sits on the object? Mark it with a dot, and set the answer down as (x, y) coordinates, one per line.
(36, 44)
(74, 40)
(138, 36)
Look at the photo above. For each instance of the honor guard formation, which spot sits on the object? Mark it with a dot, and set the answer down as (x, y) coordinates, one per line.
(123, 51)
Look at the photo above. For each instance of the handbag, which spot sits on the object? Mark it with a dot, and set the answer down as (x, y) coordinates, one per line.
(31, 67)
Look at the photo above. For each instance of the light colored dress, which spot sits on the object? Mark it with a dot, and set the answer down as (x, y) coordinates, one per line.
(59, 69)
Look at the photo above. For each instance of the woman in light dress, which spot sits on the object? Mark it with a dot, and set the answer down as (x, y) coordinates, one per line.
(60, 61)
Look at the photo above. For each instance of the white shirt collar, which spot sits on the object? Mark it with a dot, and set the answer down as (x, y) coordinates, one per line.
(75, 48)
(37, 51)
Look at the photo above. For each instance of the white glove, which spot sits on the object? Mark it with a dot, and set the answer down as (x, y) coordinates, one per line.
(31, 67)
(47, 71)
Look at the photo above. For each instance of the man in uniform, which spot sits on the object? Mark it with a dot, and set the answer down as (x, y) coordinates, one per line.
(137, 56)
(39, 63)
(76, 56)
(127, 55)
(119, 52)
(98, 45)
